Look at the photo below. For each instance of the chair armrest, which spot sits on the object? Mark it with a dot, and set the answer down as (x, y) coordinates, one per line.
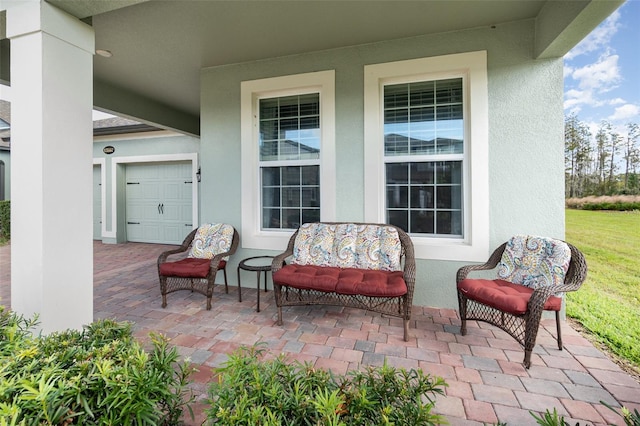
(490, 264)
(183, 247)
(279, 260)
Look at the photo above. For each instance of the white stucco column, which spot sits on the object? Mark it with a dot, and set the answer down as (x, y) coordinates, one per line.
(51, 173)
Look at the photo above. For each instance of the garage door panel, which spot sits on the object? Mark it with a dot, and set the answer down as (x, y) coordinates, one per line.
(160, 201)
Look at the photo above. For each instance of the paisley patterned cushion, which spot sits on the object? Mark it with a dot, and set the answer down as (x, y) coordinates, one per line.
(348, 245)
(378, 248)
(534, 261)
(211, 239)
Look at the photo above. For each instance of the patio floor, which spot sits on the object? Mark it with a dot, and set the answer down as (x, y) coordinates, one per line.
(487, 382)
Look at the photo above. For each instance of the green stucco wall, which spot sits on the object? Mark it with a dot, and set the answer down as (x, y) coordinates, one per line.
(526, 172)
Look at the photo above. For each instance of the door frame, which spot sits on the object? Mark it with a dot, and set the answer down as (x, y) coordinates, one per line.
(102, 163)
(118, 188)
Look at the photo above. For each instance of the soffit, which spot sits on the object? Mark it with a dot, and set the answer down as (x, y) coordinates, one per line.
(160, 47)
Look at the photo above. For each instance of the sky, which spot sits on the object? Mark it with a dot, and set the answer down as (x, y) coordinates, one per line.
(602, 73)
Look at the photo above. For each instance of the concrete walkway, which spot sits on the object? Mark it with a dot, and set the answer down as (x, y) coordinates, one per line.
(487, 382)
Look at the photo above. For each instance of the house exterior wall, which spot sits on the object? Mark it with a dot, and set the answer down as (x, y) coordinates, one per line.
(526, 173)
(134, 148)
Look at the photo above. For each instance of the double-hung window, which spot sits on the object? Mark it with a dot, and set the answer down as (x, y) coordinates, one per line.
(426, 153)
(288, 160)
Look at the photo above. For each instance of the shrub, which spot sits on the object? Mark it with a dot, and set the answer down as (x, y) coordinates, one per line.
(251, 391)
(615, 202)
(97, 376)
(555, 419)
(5, 220)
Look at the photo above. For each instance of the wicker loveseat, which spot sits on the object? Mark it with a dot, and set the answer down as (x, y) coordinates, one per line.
(361, 265)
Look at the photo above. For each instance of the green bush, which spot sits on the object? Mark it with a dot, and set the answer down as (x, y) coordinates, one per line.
(5, 220)
(97, 376)
(555, 419)
(254, 391)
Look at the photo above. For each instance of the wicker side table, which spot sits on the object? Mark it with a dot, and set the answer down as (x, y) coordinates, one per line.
(259, 264)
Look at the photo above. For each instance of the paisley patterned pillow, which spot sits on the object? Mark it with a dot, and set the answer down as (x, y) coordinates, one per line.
(314, 244)
(344, 251)
(534, 261)
(211, 239)
(378, 248)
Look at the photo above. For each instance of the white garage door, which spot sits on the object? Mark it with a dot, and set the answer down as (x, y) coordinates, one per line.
(158, 202)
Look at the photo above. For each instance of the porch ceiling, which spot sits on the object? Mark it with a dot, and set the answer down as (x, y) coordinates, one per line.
(160, 47)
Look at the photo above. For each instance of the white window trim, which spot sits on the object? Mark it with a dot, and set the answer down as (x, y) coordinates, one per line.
(473, 67)
(322, 82)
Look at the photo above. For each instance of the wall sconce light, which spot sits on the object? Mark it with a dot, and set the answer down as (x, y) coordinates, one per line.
(198, 175)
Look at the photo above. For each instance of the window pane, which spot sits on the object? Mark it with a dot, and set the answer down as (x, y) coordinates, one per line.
(422, 93)
(448, 222)
(310, 215)
(271, 197)
(396, 96)
(397, 196)
(423, 173)
(422, 197)
(449, 91)
(398, 218)
(271, 218)
(311, 196)
(291, 218)
(310, 175)
(397, 173)
(268, 109)
(422, 222)
(270, 176)
(291, 175)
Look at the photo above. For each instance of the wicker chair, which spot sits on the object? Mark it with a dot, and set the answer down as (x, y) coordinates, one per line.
(528, 283)
(209, 248)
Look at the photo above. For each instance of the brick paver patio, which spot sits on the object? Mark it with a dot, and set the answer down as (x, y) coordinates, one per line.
(487, 382)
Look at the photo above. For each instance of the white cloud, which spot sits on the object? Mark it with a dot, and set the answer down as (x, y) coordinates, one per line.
(600, 76)
(628, 112)
(598, 38)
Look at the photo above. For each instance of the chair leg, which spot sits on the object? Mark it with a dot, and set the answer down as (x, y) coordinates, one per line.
(462, 308)
(558, 330)
(226, 284)
(406, 330)
(527, 359)
(164, 300)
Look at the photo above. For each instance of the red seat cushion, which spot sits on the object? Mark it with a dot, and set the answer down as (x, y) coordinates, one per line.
(342, 280)
(189, 267)
(503, 295)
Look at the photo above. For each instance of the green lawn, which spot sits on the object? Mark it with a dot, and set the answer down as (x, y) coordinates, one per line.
(608, 304)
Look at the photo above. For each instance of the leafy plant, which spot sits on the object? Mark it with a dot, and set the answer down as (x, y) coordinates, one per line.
(251, 390)
(97, 376)
(5, 220)
(554, 419)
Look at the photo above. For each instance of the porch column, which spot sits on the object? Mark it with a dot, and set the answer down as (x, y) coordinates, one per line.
(51, 173)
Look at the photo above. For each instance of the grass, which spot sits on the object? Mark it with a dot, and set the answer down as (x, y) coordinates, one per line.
(608, 304)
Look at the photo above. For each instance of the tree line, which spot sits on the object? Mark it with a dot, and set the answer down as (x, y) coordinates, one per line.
(607, 163)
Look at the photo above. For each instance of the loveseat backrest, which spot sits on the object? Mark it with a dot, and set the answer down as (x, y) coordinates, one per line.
(534, 261)
(348, 245)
